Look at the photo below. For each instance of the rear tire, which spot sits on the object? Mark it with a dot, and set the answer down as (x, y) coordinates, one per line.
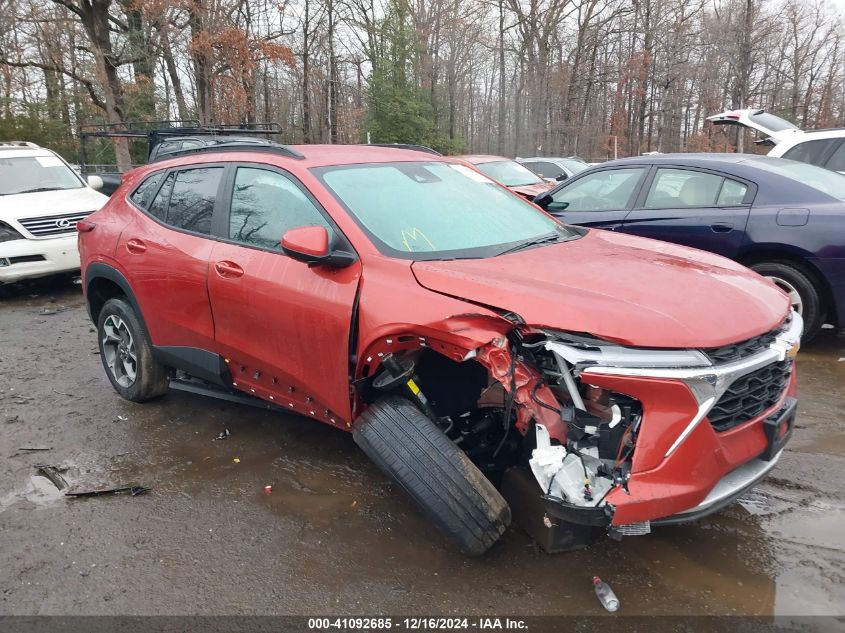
(408, 447)
(127, 354)
(804, 294)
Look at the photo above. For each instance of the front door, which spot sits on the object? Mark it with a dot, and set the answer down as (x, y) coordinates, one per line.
(282, 325)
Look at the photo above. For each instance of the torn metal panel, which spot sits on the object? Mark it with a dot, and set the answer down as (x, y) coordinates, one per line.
(536, 401)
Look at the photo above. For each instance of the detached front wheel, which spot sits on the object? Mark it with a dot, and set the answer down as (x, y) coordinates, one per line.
(127, 354)
(450, 490)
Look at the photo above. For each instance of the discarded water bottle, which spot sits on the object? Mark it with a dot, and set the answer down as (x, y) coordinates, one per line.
(605, 594)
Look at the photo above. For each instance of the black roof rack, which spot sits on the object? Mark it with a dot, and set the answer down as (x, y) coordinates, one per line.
(157, 131)
(236, 146)
(416, 148)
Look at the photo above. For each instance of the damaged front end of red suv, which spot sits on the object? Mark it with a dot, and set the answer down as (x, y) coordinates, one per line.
(617, 437)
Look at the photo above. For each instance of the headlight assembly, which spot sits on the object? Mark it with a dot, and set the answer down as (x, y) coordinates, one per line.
(7, 233)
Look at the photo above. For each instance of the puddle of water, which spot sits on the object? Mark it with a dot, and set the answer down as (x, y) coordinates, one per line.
(820, 526)
(38, 490)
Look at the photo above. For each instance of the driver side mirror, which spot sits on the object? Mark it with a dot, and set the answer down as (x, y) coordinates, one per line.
(545, 201)
(562, 177)
(310, 244)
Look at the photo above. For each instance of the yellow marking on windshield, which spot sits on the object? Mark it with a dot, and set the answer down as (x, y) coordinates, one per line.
(414, 235)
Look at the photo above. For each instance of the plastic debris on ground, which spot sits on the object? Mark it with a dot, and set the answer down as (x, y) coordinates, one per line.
(133, 490)
(605, 594)
(222, 435)
(54, 474)
(236, 460)
(268, 489)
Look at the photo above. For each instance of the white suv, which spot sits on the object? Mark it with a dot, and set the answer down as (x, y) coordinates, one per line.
(41, 200)
(824, 148)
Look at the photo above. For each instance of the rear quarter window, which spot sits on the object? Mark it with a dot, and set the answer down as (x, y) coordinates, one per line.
(143, 194)
(812, 152)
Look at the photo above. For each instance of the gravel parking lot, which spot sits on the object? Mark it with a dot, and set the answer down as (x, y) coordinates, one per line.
(334, 535)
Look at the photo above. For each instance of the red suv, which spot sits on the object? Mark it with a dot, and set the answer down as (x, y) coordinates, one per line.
(455, 329)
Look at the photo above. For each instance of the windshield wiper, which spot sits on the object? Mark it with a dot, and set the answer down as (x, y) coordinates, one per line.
(548, 238)
(34, 190)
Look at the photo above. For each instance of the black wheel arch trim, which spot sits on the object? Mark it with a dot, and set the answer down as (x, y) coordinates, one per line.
(98, 270)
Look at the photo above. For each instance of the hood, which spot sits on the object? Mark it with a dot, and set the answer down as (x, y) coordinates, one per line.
(31, 205)
(530, 191)
(631, 290)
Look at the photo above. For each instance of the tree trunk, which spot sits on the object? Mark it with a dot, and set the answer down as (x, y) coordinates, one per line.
(173, 73)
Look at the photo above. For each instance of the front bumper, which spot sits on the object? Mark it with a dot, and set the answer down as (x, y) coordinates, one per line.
(683, 467)
(730, 488)
(29, 258)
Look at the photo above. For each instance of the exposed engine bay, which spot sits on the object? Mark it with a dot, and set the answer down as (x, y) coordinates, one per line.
(521, 402)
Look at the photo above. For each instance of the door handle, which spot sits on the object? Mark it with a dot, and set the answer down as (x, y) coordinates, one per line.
(135, 246)
(228, 270)
(722, 227)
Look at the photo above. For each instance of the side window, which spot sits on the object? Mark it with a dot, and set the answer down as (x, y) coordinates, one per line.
(158, 208)
(192, 200)
(837, 161)
(600, 191)
(680, 188)
(265, 205)
(732, 193)
(144, 192)
(813, 152)
(544, 169)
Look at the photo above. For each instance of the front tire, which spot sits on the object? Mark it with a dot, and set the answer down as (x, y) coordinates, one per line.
(407, 446)
(802, 291)
(127, 354)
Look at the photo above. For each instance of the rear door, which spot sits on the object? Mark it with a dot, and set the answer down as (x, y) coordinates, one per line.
(694, 207)
(599, 198)
(166, 248)
(283, 325)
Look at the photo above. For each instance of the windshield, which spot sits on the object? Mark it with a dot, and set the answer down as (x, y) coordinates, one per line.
(828, 182)
(509, 173)
(22, 174)
(436, 210)
(574, 166)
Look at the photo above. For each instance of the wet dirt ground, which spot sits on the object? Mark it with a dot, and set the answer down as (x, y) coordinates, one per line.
(334, 536)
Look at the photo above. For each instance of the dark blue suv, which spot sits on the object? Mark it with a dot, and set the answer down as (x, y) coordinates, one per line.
(784, 219)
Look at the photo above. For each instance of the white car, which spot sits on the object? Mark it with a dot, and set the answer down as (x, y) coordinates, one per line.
(41, 200)
(824, 148)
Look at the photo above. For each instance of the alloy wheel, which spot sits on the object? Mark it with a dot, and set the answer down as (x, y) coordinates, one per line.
(792, 291)
(119, 351)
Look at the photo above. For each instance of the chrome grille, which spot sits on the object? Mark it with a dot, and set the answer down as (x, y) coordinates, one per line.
(744, 349)
(750, 395)
(51, 225)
